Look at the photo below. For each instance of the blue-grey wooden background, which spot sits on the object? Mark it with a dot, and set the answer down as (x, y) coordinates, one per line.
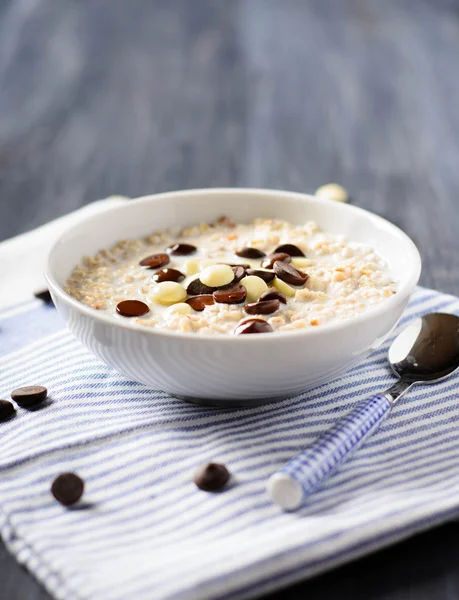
(101, 97)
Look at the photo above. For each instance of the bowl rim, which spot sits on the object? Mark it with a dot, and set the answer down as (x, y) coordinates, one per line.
(406, 286)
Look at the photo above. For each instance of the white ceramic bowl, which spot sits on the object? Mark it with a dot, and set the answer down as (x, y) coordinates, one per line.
(230, 370)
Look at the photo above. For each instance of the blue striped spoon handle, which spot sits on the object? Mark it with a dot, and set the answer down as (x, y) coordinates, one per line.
(290, 486)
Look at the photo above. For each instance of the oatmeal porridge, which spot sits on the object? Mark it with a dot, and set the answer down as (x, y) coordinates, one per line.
(226, 278)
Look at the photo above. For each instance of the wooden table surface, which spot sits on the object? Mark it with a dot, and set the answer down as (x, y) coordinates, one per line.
(101, 97)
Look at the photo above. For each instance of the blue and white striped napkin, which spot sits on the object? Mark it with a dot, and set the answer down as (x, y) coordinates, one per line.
(146, 532)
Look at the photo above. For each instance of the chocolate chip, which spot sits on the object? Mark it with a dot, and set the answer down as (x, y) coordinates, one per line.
(271, 259)
(132, 308)
(7, 410)
(155, 261)
(181, 249)
(168, 275)
(267, 276)
(233, 295)
(290, 249)
(29, 395)
(239, 273)
(253, 326)
(199, 303)
(44, 296)
(243, 265)
(263, 307)
(274, 295)
(211, 477)
(67, 488)
(289, 274)
(197, 288)
(248, 252)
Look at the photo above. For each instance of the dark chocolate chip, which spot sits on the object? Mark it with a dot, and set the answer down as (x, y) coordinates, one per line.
(263, 307)
(271, 259)
(44, 296)
(67, 488)
(253, 326)
(7, 410)
(267, 276)
(248, 252)
(233, 295)
(211, 477)
(168, 275)
(199, 303)
(290, 249)
(181, 249)
(274, 295)
(155, 261)
(289, 274)
(29, 395)
(132, 308)
(239, 273)
(197, 288)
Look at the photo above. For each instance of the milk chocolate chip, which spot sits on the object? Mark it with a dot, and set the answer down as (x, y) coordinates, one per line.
(290, 249)
(155, 261)
(263, 307)
(271, 259)
(253, 325)
(248, 252)
(168, 275)
(289, 274)
(233, 295)
(181, 249)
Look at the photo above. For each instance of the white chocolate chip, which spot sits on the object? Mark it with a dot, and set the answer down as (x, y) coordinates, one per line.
(217, 275)
(332, 191)
(255, 287)
(181, 308)
(191, 266)
(301, 261)
(283, 287)
(168, 292)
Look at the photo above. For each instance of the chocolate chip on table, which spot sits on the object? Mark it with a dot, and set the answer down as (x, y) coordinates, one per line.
(233, 295)
(7, 410)
(290, 249)
(155, 261)
(132, 308)
(29, 395)
(274, 295)
(181, 249)
(199, 303)
(168, 274)
(267, 276)
(248, 252)
(67, 488)
(197, 288)
(289, 274)
(211, 477)
(44, 296)
(263, 307)
(271, 259)
(253, 325)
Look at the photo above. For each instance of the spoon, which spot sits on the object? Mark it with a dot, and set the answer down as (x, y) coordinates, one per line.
(426, 351)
